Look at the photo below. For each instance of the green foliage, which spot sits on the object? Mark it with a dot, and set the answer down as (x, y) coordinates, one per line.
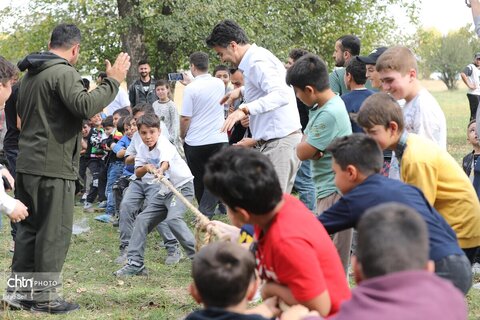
(172, 29)
(447, 54)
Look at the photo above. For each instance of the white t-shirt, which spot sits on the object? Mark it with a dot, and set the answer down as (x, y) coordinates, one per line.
(270, 101)
(121, 101)
(201, 102)
(424, 117)
(473, 74)
(136, 140)
(178, 172)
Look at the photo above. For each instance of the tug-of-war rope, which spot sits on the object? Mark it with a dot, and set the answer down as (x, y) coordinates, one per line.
(205, 231)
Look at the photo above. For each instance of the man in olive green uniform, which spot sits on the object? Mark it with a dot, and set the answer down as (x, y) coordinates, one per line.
(51, 105)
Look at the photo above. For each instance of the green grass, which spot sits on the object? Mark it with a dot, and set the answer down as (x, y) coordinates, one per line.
(88, 277)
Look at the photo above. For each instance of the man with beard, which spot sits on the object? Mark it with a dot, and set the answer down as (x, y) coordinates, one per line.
(345, 48)
(143, 89)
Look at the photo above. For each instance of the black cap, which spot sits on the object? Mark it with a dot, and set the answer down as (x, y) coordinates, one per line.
(477, 55)
(373, 56)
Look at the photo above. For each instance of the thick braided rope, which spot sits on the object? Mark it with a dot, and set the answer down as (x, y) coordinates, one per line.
(202, 222)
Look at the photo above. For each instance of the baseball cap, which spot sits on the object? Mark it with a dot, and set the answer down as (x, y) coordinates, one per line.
(373, 56)
(477, 55)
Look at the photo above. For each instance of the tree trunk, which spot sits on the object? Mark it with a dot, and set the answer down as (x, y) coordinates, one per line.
(132, 34)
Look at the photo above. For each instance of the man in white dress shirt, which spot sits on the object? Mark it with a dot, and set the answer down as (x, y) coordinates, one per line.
(267, 99)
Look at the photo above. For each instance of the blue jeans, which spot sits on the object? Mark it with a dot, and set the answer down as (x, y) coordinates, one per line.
(114, 172)
(304, 185)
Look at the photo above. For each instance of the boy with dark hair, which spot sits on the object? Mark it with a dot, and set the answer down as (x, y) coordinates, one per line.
(96, 154)
(328, 120)
(223, 73)
(295, 255)
(469, 162)
(357, 160)
(166, 110)
(294, 55)
(114, 165)
(158, 156)
(120, 113)
(303, 181)
(394, 276)
(129, 128)
(224, 281)
(426, 166)
(370, 62)
(471, 166)
(129, 206)
(355, 79)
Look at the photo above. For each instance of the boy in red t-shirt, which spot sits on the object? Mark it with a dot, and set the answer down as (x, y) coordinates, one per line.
(295, 255)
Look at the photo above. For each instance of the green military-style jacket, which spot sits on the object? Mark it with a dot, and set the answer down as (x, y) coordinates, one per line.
(52, 102)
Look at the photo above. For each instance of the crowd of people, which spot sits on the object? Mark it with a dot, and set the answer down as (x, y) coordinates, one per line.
(363, 147)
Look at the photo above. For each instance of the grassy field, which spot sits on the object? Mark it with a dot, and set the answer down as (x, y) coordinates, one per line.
(88, 277)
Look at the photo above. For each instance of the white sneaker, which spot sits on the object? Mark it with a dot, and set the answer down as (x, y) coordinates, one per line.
(476, 286)
(88, 207)
(476, 268)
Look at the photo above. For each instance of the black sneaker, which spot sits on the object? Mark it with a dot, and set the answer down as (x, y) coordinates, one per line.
(16, 301)
(57, 306)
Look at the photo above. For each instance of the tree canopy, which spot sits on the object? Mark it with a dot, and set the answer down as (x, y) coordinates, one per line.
(446, 54)
(167, 31)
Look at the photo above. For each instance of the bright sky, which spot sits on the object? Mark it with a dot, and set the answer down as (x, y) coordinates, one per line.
(445, 15)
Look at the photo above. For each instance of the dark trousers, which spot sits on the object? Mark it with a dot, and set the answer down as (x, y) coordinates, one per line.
(118, 189)
(473, 254)
(197, 157)
(102, 183)
(43, 239)
(82, 172)
(473, 101)
(11, 155)
(96, 167)
(457, 269)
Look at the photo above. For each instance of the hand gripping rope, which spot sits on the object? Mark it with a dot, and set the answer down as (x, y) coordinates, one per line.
(205, 231)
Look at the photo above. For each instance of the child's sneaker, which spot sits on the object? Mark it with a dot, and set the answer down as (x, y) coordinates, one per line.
(106, 218)
(88, 207)
(173, 257)
(103, 204)
(476, 268)
(122, 258)
(131, 270)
